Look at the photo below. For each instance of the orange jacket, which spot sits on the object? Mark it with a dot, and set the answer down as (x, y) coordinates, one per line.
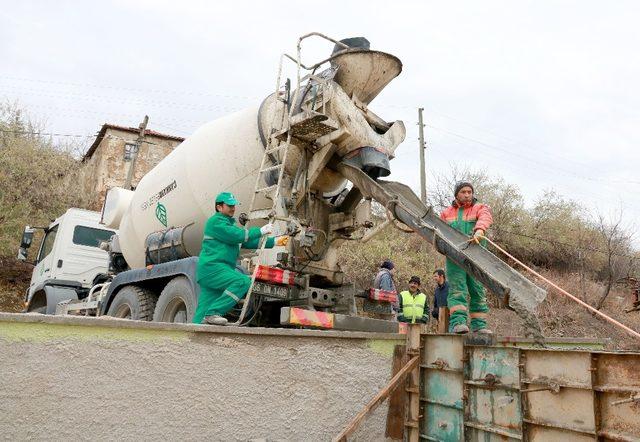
(474, 216)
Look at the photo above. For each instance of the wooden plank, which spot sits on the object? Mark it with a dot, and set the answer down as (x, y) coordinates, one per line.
(398, 398)
(443, 320)
(353, 425)
(413, 349)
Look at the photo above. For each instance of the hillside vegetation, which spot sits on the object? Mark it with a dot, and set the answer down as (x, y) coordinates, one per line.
(38, 177)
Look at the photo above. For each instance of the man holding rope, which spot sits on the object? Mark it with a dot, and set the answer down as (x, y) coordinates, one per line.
(468, 216)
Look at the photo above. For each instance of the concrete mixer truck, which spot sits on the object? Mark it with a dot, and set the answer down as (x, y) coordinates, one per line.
(310, 159)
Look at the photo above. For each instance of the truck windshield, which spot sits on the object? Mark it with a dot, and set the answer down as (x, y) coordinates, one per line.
(47, 243)
(89, 236)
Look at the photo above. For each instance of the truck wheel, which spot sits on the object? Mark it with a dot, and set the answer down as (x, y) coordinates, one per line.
(177, 302)
(133, 302)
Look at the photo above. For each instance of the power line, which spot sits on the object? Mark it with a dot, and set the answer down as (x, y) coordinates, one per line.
(112, 99)
(76, 110)
(546, 165)
(22, 132)
(560, 243)
(436, 147)
(509, 139)
(129, 89)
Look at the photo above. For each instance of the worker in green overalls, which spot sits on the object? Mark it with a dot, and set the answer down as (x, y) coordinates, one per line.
(221, 285)
(468, 216)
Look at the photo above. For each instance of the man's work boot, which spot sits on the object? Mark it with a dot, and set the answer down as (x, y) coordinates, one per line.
(460, 329)
(215, 320)
(484, 331)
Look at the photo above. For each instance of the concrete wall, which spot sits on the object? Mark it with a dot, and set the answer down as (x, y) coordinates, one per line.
(106, 167)
(84, 378)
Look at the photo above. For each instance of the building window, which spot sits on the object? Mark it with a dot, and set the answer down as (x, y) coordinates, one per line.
(129, 150)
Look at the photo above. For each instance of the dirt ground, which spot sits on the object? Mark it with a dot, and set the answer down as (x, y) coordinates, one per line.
(14, 281)
(559, 316)
(562, 317)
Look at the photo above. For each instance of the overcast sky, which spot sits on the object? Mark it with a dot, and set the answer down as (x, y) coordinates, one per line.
(545, 94)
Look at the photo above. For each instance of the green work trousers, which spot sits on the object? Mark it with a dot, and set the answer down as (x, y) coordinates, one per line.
(462, 285)
(221, 288)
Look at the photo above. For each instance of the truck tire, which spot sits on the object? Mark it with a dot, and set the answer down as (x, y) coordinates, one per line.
(177, 302)
(133, 302)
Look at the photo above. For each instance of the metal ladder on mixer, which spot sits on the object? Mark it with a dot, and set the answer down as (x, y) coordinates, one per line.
(275, 151)
(276, 146)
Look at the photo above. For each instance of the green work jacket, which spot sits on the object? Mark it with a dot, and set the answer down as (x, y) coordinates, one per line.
(223, 240)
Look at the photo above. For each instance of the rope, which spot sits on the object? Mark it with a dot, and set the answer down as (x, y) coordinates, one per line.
(566, 293)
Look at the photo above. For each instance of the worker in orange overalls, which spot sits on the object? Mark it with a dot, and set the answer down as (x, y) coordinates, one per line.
(468, 216)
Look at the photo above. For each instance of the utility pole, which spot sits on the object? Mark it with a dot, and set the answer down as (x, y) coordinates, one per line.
(134, 152)
(423, 175)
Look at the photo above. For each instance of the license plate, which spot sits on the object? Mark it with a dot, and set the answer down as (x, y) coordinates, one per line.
(273, 291)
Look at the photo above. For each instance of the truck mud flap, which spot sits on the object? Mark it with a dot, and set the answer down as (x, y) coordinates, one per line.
(521, 294)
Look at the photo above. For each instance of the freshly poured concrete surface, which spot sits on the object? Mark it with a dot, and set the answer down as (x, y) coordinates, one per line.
(85, 378)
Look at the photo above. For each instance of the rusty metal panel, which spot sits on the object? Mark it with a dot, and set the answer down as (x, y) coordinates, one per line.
(617, 383)
(569, 368)
(544, 434)
(551, 342)
(442, 383)
(557, 392)
(447, 348)
(619, 370)
(620, 421)
(570, 408)
(478, 434)
(493, 383)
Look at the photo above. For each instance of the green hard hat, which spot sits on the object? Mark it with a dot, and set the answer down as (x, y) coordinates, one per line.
(227, 198)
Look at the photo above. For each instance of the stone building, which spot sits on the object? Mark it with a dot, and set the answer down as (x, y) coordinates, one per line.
(104, 165)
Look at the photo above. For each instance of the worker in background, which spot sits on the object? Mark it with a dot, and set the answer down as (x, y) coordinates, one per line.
(221, 285)
(413, 304)
(384, 281)
(384, 277)
(471, 218)
(440, 310)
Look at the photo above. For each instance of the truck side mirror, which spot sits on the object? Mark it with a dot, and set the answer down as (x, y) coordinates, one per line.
(22, 254)
(25, 243)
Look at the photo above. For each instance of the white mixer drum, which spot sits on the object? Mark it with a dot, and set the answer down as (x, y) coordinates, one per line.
(223, 155)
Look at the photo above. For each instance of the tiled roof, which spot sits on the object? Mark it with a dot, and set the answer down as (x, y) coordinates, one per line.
(135, 130)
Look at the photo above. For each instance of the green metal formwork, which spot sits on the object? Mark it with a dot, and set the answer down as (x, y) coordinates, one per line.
(442, 388)
(492, 387)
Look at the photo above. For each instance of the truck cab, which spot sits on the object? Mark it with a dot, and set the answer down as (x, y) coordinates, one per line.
(69, 260)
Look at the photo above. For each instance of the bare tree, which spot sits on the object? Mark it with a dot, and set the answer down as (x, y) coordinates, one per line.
(441, 191)
(619, 262)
